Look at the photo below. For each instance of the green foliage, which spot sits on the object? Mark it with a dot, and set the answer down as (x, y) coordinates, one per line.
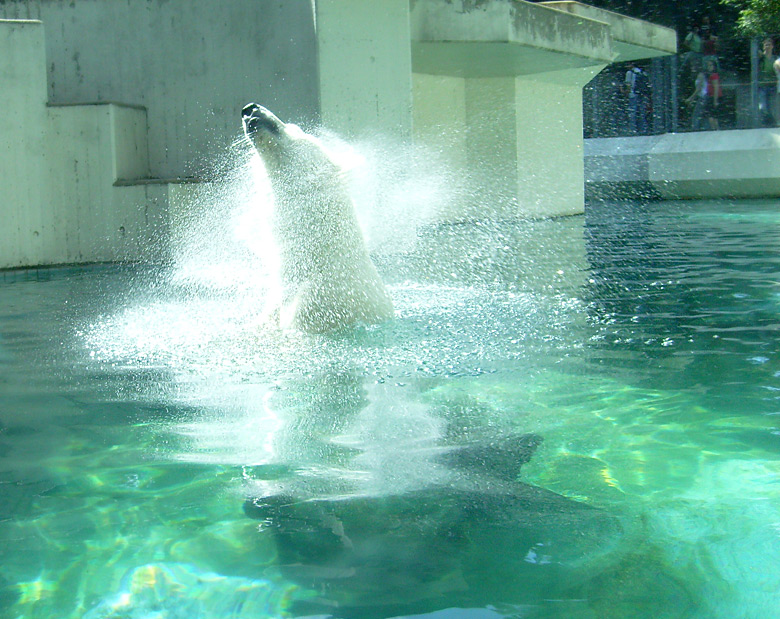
(756, 17)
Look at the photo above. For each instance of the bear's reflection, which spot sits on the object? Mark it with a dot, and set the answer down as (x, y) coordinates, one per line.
(383, 508)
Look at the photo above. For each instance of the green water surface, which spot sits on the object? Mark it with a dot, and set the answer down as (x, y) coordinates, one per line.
(574, 418)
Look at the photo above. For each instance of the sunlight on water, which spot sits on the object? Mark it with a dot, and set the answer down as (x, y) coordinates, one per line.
(564, 419)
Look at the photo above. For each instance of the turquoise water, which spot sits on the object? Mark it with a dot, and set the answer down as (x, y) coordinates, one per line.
(576, 418)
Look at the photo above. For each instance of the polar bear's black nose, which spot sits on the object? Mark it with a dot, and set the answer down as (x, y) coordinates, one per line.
(250, 118)
(255, 117)
(249, 109)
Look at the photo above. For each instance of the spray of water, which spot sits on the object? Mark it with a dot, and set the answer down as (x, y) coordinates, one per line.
(207, 311)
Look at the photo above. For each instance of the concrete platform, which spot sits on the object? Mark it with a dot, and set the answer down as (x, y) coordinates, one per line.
(712, 164)
(498, 91)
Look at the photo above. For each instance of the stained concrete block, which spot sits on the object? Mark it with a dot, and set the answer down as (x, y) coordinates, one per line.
(711, 164)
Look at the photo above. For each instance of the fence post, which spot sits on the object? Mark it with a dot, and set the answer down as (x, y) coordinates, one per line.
(659, 96)
(674, 103)
(754, 83)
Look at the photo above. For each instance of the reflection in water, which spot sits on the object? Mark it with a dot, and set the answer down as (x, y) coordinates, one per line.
(379, 502)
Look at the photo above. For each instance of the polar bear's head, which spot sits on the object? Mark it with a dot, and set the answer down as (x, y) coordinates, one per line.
(283, 146)
(261, 124)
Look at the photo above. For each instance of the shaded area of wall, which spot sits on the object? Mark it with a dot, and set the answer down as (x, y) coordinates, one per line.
(364, 70)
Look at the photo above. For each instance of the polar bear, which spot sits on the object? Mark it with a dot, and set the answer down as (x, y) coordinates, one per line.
(328, 280)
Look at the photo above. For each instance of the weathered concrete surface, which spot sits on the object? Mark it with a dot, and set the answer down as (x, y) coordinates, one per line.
(365, 71)
(631, 38)
(61, 164)
(191, 64)
(22, 141)
(503, 38)
(712, 164)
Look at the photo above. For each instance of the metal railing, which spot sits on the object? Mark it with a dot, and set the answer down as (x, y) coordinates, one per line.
(749, 99)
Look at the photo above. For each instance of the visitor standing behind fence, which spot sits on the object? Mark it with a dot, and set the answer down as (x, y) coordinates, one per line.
(709, 42)
(637, 89)
(714, 93)
(693, 46)
(698, 98)
(767, 83)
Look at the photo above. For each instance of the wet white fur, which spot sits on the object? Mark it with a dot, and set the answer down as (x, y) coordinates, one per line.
(328, 280)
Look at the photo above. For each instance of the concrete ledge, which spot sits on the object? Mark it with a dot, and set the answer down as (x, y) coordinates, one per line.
(631, 38)
(618, 160)
(713, 164)
(619, 168)
(132, 106)
(158, 181)
(503, 38)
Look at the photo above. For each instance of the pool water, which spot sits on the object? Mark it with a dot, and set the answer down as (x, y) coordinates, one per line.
(573, 418)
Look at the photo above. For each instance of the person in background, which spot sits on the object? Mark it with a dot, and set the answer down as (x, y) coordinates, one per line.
(714, 92)
(706, 30)
(709, 42)
(776, 67)
(693, 46)
(698, 98)
(767, 83)
(636, 87)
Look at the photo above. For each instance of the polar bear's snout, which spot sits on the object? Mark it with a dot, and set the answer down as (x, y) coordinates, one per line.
(255, 118)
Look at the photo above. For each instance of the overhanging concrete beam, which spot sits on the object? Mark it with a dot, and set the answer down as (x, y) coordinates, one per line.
(503, 38)
(632, 38)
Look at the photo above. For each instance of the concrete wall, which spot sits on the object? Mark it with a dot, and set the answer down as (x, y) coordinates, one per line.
(140, 91)
(191, 63)
(22, 142)
(711, 164)
(60, 164)
(365, 71)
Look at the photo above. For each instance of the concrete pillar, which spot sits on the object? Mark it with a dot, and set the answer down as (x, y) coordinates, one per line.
(365, 67)
(517, 139)
(491, 146)
(23, 124)
(518, 69)
(550, 145)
